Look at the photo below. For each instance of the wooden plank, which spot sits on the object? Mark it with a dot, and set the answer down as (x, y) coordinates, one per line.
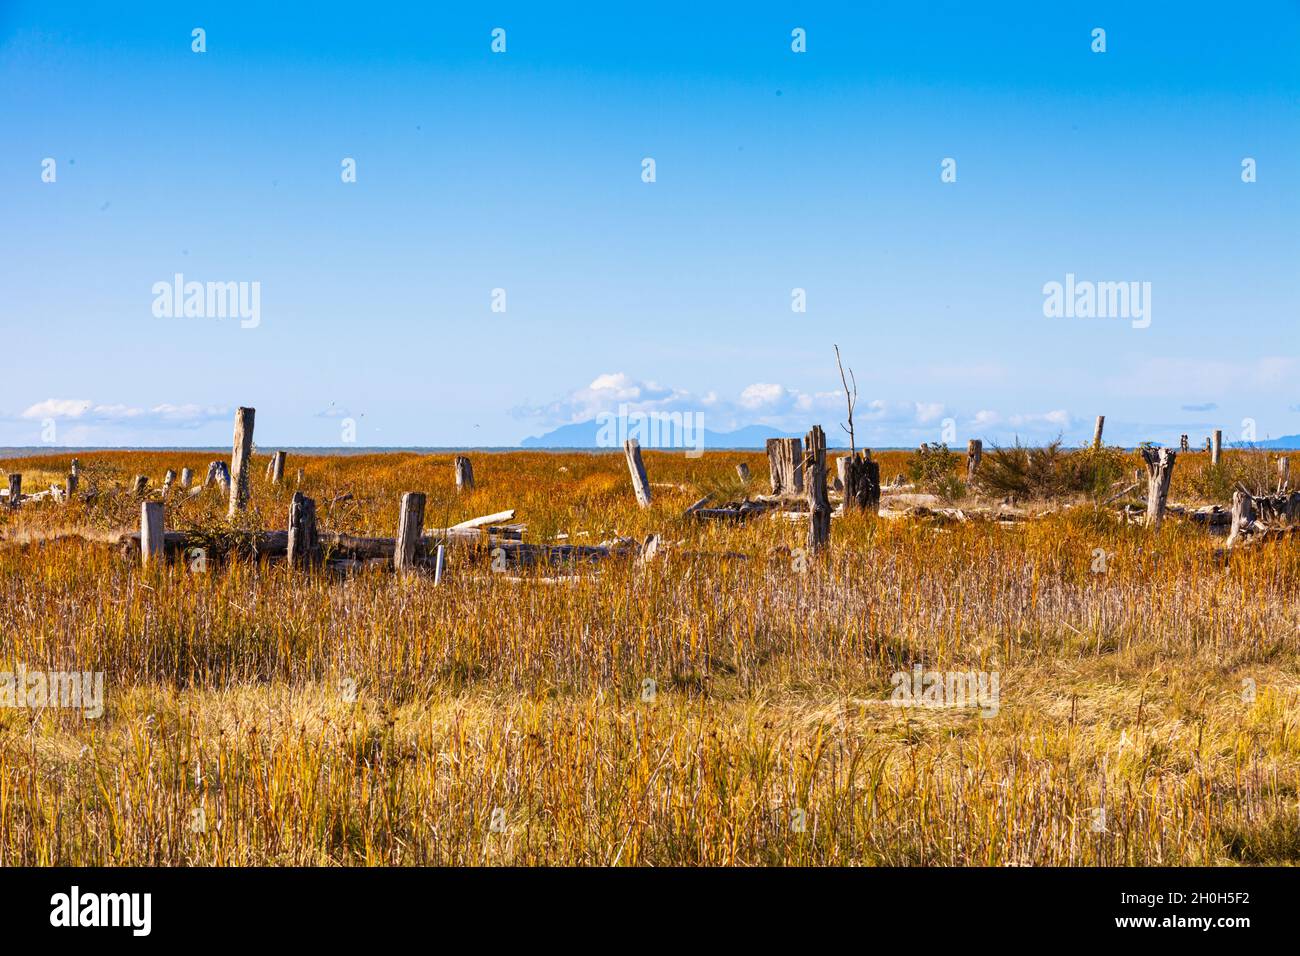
(241, 458)
(152, 533)
(640, 484)
(409, 525)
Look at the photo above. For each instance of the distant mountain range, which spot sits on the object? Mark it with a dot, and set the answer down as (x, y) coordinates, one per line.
(1286, 441)
(584, 434)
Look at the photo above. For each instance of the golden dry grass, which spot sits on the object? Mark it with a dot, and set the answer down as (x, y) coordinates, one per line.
(503, 722)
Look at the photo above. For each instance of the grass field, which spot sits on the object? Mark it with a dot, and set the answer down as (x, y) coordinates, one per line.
(697, 708)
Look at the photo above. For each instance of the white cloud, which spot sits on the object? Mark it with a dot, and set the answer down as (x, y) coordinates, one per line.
(164, 415)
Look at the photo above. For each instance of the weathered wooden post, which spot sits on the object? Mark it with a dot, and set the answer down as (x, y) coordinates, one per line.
(223, 477)
(187, 479)
(862, 483)
(439, 563)
(76, 467)
(819, 506)
(211, 478)
(152, 536)
(974, 455)
(169, 479)
(640, 484)
(277, 468)
(1183, 444)
(743, 471)
(1283, 473)
(1216, 448)
(1096, 432)
(1243, 515)
(785, 462)
(140, 486)
(70, 486)
(241, 456)
(303, 539)
(409, 526)
(299, 479)
(841, 482)
(15, 489)
(1160, 469)
(464, 473)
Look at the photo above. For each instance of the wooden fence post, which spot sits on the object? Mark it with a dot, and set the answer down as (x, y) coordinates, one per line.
(1216, 447)
(303, 539)
(640, 484)
(743, 471)
(151, 532)
(70, 486)
(15, 489)
(785, 462)
(241, 456)
(974, 455)
(1096, 432)
(819, 506)
(1283, 473)
(299, 479)
(277, 468)
(1183, 444)
(187, 479)
(1160, 469)
(223, 477)
(464, 473)
(169, 479)
(141, 486)
(409, 526)
(76, 467)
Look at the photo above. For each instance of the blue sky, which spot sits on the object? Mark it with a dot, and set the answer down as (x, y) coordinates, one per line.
(522, 171)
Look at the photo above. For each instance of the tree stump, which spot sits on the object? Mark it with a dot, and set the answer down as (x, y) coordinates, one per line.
(743, 471)
(304, 542)
(169, 479)
(974, 455)
(862, 483)
(15, 489)
(187, 479)
(409, 527)
(464, 473)
(819, 506)
(140, 486)
(640, 484)
(69, 486)
(241, 457)
(1160, 469)
(1243, 515)
(785, 461)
